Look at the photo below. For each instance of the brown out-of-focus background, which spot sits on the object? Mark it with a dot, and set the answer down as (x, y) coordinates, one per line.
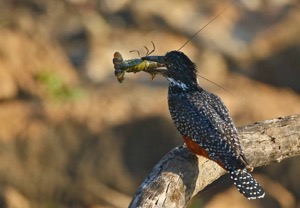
(72, 136)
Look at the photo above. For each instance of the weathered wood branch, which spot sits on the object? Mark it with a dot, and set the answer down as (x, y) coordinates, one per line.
(180, 174)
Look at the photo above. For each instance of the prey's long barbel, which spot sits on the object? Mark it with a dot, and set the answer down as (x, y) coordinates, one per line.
(196, 33)
(152, 67)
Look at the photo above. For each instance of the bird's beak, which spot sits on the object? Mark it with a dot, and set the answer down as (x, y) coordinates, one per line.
(158, 59)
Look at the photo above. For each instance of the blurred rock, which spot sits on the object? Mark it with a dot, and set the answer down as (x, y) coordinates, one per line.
(8, 88)
(23, 58)
(14, 199)
(234, 201)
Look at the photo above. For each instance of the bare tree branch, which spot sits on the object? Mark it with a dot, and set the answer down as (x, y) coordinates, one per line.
(180, 174)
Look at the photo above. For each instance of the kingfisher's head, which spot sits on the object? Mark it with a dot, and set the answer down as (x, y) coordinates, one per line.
(181, 71)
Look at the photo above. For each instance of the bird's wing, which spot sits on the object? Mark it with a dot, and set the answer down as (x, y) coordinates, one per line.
(207, 123)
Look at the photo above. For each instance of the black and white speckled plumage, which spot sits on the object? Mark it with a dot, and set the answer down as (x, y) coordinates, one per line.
(203, 117)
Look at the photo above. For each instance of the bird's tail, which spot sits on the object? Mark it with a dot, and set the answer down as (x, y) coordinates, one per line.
(246, 184)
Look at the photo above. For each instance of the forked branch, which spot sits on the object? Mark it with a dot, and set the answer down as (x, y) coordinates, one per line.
(180, 175)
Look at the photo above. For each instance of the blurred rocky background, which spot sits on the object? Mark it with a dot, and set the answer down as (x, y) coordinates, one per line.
(72, 136)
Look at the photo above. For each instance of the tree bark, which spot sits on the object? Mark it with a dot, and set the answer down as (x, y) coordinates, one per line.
(180, 174)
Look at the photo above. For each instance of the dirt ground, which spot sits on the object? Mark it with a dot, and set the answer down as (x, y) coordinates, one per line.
(72, 136)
